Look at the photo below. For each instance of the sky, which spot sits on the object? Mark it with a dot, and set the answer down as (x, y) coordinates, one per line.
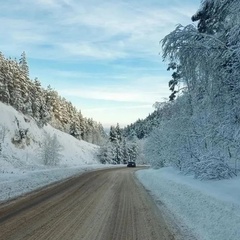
(102, 55)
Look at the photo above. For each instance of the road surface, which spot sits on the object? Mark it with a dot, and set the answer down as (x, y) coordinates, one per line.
(101, 205)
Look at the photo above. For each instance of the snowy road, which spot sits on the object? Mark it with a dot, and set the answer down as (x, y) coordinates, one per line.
(104, 204)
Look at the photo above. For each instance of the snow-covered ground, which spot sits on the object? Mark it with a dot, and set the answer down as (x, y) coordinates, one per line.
(21, 167)
(209, 209)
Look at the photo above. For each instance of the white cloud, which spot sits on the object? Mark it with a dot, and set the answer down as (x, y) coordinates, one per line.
(93, 29)
(140, 91)
(122, 28)
(48, 3)
(89, 50)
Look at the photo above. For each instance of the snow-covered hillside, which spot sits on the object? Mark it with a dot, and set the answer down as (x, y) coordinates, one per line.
(208, 209)
(21, 167)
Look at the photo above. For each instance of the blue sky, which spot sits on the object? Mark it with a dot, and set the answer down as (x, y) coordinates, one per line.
(102, 55)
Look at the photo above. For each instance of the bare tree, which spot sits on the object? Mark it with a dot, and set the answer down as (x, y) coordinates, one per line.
(50, 152)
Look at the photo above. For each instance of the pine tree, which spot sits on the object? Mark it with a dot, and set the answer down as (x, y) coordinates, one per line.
(23, 64)
(4, 92)
(125, 154)
(74, 130)
(118, 133)
(113, 134)
(133, 151)
(104, 154)
(211, 15)
(118, 157)
(17, 95)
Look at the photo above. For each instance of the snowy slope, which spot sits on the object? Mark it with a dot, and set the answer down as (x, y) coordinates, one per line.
(21, 168)
(74, 152)
(209, 209)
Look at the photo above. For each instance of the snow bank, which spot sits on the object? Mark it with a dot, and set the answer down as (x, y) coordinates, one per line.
(210, 209)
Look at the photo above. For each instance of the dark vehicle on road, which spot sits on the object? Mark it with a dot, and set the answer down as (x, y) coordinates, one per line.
(131, 164)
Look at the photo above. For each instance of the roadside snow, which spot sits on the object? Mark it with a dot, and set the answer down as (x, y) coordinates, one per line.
(21, 182)
(209, 209)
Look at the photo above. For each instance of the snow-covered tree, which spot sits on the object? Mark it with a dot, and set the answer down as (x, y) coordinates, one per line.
(50, 152)
(118, 133)
(133, 151)
(113, 137)
(23, 64)
(125, 152)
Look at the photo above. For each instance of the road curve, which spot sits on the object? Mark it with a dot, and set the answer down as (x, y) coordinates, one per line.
(101, 205)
